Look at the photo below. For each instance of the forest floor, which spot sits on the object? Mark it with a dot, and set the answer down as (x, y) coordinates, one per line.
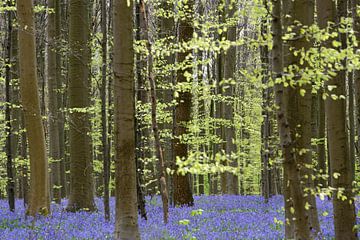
(212, 217)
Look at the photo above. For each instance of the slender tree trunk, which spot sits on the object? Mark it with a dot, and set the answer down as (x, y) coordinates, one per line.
(60, 19)
(16, 111)
(182, 187)
(351, 113)
(220, 111)
(81, 169)
(52, 76)
(24, 167)
(104, 136)
(126, 222)
(356, 26)
(159, 151)
(39, 198)
(9, 152)
(201, 185)
(140, 96)
(266, 125)
(110, 92)
(321, 138)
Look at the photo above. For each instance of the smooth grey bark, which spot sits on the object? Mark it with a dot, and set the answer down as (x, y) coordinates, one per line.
(126, 219)
(104, 118)
(52, 79)
(39, 201)
(10, 185)
(182, 186)
(81, 168)
(232, 181)
(293, 193)
(339, 157)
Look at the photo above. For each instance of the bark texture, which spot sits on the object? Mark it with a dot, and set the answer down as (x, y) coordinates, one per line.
(158, 147)
(232, 181)
(126, 221)
(104, 118)
(182, 186)
(52, 78)
(39, 201)
(10, 154)
(339, 158)
(81, 169)
(300, 109)
(293, 195)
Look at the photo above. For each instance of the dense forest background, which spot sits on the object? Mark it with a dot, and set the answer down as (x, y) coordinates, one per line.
(179, 98)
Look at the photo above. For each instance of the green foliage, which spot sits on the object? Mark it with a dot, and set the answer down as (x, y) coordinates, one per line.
(203, 69)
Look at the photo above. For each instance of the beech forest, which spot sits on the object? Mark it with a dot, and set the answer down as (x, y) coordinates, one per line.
(179, 119)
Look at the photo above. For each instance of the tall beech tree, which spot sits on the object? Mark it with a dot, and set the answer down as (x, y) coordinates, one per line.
(81, 169)
(356, 26)
(294, 199)
(141, 131)
(15, 110)
(52, 78)
(182, 188)
(229, 75)
(340, 162)
(39, 201)
(9, 136)
(104, 118)
(126, 220)
(158, 147)
(266, 130)
(300, 104)
(60, 18)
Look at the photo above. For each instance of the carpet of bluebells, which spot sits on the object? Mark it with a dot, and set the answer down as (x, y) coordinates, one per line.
(212, 217)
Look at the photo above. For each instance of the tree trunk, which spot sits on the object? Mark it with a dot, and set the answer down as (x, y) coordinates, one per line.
(52, 78)
(81, 169)
(356, 27)
(300, 110)
(39, 198)
(16, 110)
(158, 147)
(126, 222)
(321, 138)
(140, 96)
(351, 124)
(301, 230)
(9, 144)
(60, 19)
(340, 162)
(219, 110)
(104, 127)
(182, 187)
(266, 125)
(168, 30)
(24, 167)
(229, 74)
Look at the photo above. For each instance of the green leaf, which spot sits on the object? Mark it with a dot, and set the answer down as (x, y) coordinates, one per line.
(184, 222)
(302, 92)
